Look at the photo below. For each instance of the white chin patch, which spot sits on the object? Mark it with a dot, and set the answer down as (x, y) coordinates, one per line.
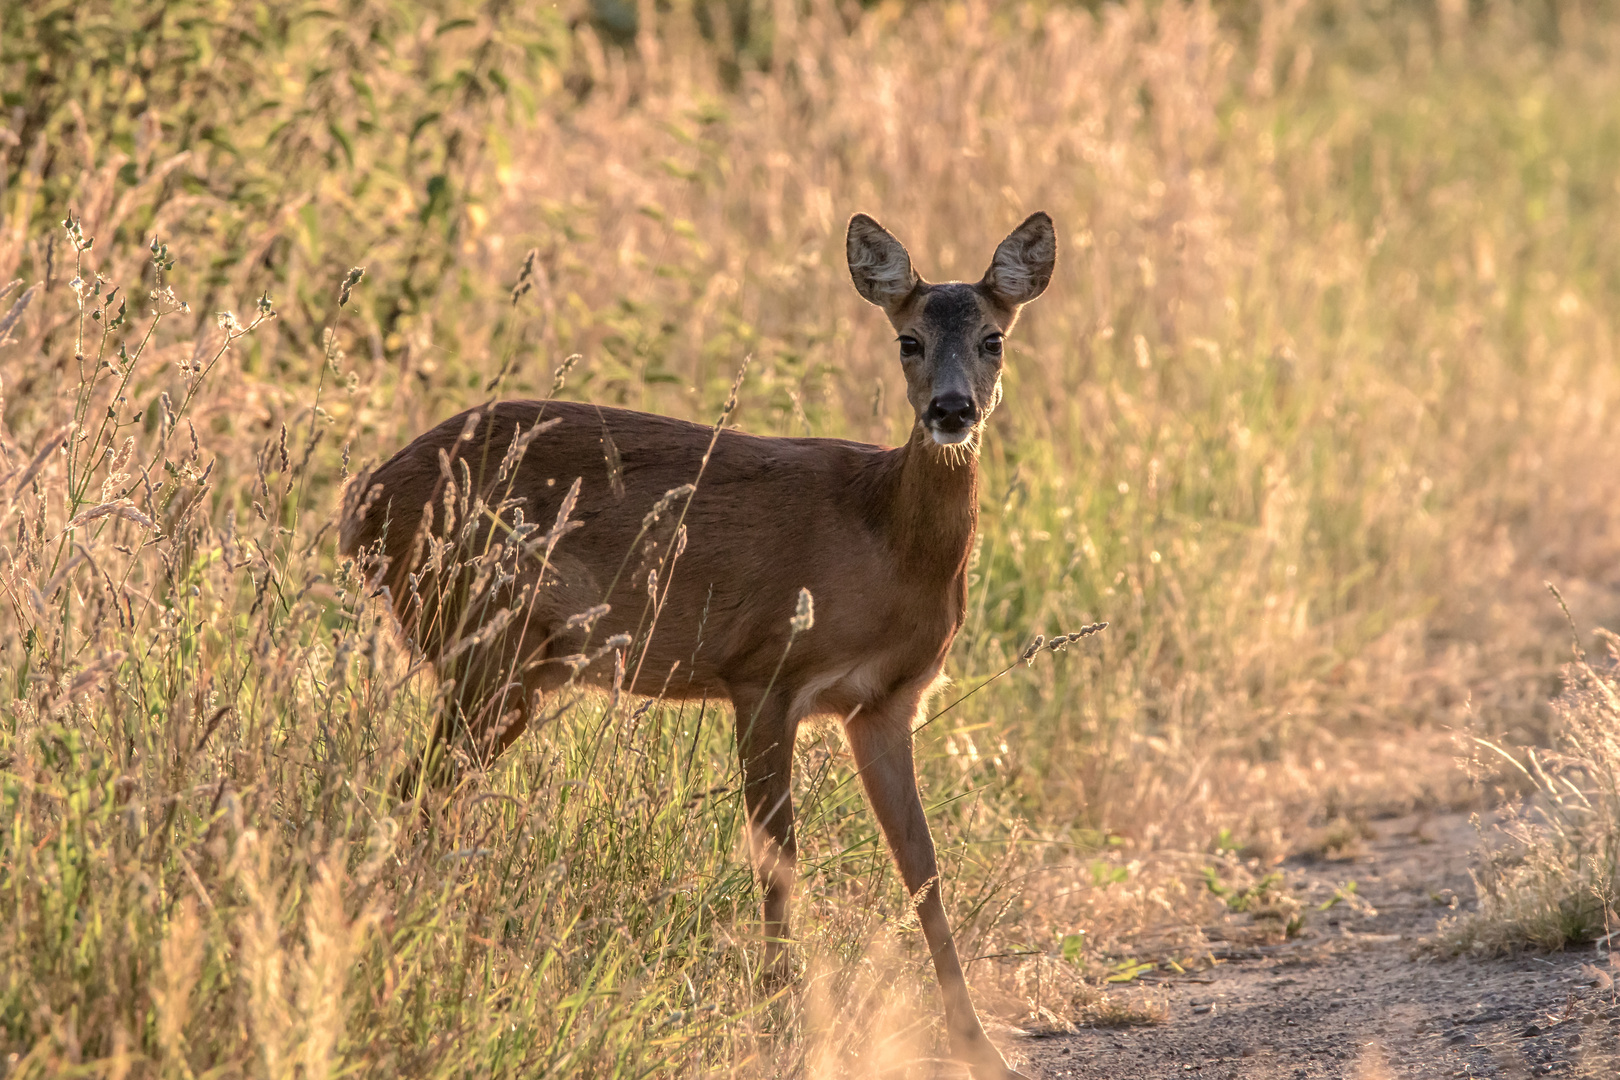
(950, 438)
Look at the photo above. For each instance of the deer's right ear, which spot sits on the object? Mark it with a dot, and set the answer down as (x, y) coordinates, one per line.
(879, 264)
(1022, 265)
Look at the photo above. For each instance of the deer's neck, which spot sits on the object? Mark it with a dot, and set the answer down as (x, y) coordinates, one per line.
(935, 509)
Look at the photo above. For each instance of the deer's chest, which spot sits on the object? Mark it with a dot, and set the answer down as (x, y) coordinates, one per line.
(899, 653)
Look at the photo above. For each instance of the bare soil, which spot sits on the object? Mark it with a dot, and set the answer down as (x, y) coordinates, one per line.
(1355, 994)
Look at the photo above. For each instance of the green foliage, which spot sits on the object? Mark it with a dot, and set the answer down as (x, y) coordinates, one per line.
(1344, 894)
(1249, 896)
(294, 135)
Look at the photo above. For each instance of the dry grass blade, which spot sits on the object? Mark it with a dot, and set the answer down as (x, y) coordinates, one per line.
(51, 444)
(15, 314)
(122, 508)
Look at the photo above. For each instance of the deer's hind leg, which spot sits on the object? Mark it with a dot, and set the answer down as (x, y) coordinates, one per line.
(880, 740)
(493, 675)
(488, 695)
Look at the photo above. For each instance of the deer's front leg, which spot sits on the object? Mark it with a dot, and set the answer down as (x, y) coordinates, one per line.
(765, 744)
(880, 740)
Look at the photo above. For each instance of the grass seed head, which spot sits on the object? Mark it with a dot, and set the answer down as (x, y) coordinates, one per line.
(804, 613)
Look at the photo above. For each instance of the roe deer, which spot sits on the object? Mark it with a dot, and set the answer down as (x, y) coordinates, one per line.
(879, 537)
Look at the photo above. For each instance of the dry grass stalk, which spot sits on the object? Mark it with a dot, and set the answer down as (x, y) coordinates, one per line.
(1550, 871)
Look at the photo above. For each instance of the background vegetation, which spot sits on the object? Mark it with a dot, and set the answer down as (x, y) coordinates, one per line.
(1324, 390)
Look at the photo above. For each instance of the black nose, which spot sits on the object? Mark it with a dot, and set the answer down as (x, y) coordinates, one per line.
(951, 412)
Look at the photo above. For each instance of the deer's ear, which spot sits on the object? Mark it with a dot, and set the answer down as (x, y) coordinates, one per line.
(879, 264)
(1022, 265)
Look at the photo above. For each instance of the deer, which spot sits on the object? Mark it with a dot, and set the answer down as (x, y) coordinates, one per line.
(806, 576)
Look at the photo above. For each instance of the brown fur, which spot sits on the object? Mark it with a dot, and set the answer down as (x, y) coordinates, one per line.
(879, 537)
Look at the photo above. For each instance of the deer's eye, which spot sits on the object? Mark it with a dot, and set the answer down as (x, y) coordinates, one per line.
(909, 346)
(992, 344)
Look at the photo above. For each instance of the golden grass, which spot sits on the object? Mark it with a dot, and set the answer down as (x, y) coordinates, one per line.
(1549, 876)
(1324, 389)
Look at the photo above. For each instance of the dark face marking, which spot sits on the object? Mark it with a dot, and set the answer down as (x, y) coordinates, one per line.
(953, 309)
(949, 346)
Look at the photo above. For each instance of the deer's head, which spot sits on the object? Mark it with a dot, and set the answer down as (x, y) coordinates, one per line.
(951, 334)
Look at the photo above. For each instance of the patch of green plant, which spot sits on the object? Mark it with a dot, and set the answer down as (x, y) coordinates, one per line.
(1247, 897)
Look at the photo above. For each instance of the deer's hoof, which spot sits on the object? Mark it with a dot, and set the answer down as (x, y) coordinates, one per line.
(985, 1062)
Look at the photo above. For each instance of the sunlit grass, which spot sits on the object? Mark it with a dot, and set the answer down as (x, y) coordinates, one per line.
(1322, 393)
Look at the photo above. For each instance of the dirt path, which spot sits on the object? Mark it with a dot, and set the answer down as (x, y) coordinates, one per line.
(1351, 997)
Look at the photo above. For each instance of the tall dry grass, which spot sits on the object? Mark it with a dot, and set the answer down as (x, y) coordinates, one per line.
(1322, 392)
(1550, 873)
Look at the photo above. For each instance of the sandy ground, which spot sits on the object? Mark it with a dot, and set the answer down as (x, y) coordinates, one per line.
(1355, 996)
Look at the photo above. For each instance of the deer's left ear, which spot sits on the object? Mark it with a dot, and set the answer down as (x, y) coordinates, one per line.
(879, 264)
(1022, 265)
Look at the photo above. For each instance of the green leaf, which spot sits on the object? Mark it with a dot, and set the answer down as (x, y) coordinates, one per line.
(1130, 970)
(421, 122)
(343, 141)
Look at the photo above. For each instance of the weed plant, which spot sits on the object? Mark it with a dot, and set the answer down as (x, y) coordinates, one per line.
(1550, 873)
